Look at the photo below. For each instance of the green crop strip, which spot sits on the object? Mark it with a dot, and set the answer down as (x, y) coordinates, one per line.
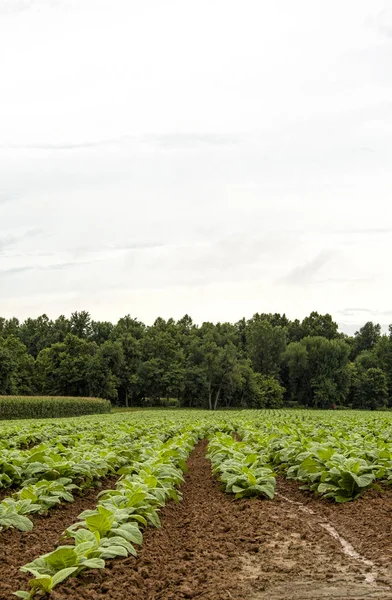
(334, 460)
(240, 467)
(49, 474)
(40, 407)
(112, 529)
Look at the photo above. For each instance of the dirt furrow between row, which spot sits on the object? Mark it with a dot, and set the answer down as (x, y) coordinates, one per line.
(213, 547)
(18, 548)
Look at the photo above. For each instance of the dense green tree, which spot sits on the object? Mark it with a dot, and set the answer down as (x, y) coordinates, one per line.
(248, 364)
(316, 325)
(62, 369)
(16, 367)
(9, 327)
(218, 358)
(37, 334)
(162, 369)
(367, 359)
(130, 380)
(383, 351)
(294, 331)
(100, 331)
(130, 326)
(80, 324)
(265, 345)
(270, 393)
(105, 367)
(367, 337)
(318, 371)
(371, 391)
(61, 328)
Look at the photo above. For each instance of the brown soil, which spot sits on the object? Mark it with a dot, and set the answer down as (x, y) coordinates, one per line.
(366, 523)
(212, 547)
(5, 492)
(18, 548)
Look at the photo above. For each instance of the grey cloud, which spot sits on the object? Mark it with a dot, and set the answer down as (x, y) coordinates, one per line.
(366, 231)
(192, 140)
(238, 257)
(65, 146)
(137, 246)
(305, 274)
(8, 196)
(81, 251)
(350, 312)
(10, 240)
(52, 267)
(15, 271)
(165, 141)
(64, 265)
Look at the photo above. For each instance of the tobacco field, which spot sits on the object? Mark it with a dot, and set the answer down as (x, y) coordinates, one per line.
(189, 504)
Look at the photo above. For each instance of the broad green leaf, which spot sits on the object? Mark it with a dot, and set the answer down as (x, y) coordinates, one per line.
(43, 582)
(62, 558)
(85, 535)
(22, 594)
(94, 563)
(101, 523)
(113, 551)
(63, 574)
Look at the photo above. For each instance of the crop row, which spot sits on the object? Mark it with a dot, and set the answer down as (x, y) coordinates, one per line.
(50, 474)
(115, 526)
(43, 407)
(337, 461)
(242, 469)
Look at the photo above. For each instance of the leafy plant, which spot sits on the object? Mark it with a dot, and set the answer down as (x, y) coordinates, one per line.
(112, 529)
(242, 470)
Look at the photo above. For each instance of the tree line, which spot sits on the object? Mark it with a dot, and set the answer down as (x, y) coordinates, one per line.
(267, 361)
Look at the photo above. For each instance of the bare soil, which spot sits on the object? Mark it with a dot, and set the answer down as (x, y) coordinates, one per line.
(213, 547)
(366, 523)
(5, 492)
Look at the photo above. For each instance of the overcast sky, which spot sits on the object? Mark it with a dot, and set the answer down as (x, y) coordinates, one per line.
(210, 157)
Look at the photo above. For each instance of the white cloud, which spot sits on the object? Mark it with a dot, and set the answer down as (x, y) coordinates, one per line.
(195, 157)
(383, 21)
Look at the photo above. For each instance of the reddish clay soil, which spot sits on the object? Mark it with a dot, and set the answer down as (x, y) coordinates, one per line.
(213, 547)
(18, 548)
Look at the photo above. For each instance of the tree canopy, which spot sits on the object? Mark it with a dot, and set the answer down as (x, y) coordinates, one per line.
(265, 361)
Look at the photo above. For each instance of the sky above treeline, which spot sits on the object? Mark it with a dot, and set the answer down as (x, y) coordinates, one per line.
(211, 157)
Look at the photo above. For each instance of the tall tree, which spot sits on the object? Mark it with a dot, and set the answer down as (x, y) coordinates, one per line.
(371, 390)
(80, 324)
(265, 346)
(162, 369)
(62, 369)
(104, 370)
(9, 327)
(318, 371)
(367, 337)
(130, 373)
(316, 325)
(37, 334)
(16, 367)
(100, 331)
